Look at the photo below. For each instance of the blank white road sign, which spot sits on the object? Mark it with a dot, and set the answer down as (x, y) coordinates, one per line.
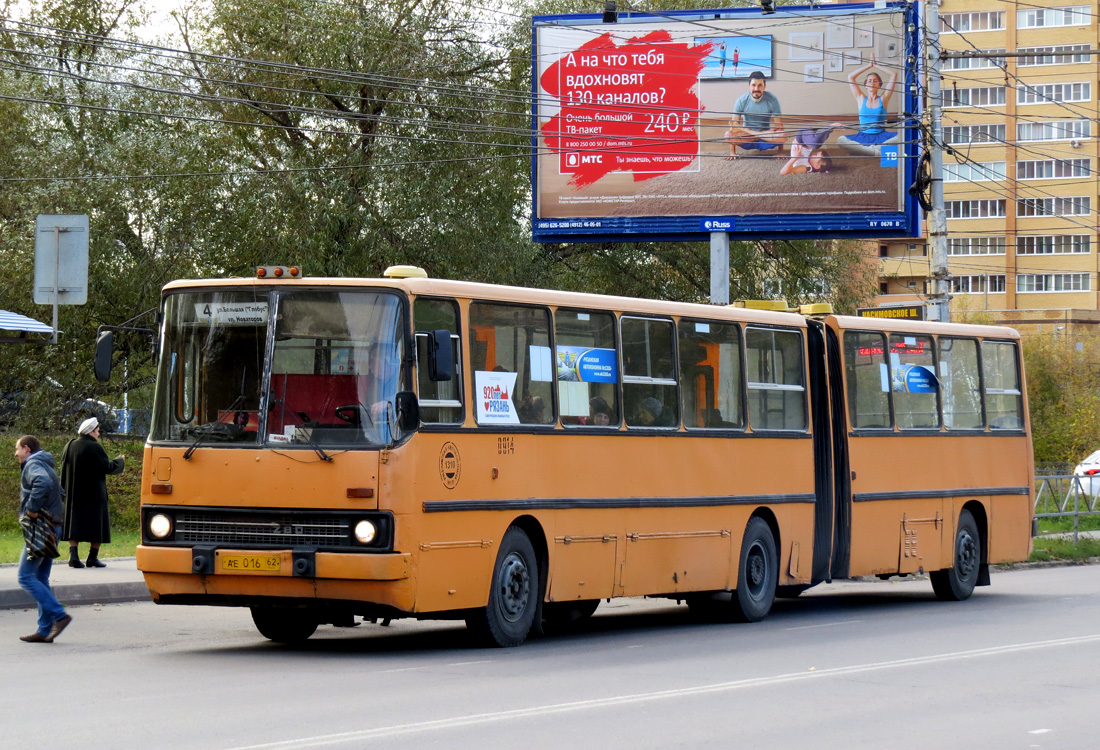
(61, 259)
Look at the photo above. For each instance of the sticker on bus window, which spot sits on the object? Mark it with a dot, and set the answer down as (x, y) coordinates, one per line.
(915, 379)
(493, 397)
(586, 365)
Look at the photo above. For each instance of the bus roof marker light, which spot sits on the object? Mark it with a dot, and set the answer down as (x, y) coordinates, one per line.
(405, 272)
(278, 272)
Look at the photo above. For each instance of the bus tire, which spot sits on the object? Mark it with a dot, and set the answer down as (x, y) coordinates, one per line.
(558, 617)
(284, 625)
(957, 582)
(758, 573)
(513, 594)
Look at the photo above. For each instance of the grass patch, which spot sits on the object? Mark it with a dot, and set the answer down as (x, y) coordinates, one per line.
(1051, 549)
(123, 544)
(1064, 524)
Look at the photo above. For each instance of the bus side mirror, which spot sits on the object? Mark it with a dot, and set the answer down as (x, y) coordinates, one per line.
(441, 359)
(104, 353)
(408, 411)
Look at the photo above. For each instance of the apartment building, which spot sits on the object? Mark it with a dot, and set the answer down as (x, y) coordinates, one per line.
(1020, 169)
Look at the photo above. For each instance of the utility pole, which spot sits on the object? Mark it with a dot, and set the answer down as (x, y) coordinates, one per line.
(940, 308)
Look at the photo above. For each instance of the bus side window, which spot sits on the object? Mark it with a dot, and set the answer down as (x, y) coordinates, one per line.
(440, 401)
(587, 367)
(960, 384)
(710, 370)
(517, 361)
(867, 380)
(1004, 404)
(649, 373)
(914, 382)
(776, 386)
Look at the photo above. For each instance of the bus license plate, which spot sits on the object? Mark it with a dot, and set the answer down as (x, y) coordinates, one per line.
(251, 562)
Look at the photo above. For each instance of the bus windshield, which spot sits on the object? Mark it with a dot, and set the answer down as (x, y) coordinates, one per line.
(333, 361)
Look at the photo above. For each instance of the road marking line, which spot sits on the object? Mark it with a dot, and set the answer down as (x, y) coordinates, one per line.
(622, 700)
(825, 625)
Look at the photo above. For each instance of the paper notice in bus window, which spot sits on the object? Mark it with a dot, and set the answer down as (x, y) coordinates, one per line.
(541, 364)
(585, 365)
(494, 397)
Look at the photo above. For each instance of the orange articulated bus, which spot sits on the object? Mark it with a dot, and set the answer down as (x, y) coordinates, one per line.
(323, 449)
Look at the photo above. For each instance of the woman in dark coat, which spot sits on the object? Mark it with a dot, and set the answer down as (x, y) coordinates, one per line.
(84, 470)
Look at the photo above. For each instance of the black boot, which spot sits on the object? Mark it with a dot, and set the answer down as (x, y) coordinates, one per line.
(74, 558)
(93, 559)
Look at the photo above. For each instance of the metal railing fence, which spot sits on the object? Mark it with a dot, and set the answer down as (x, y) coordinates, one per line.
(1067, 496)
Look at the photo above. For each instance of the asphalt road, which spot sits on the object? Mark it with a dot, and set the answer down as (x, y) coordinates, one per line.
(853, 665)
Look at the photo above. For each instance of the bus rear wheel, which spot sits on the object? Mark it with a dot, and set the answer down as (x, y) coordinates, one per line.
(513, 595)
(284, 625)
(758, 573)
(957, 582)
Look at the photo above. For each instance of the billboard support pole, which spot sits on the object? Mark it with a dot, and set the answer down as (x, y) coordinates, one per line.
(719, 268)
(937, 217)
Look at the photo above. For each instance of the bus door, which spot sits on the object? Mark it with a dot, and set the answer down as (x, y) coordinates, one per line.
(832, 483)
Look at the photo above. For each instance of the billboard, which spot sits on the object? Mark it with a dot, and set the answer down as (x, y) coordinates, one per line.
(801, 123)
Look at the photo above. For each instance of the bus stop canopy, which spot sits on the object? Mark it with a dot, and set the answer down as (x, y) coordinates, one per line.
(22, 325)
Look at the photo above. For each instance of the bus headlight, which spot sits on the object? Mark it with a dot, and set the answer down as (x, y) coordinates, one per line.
(160, 526)
(365, 532)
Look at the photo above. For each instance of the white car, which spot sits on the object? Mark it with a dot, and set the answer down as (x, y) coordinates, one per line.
(1089, 471)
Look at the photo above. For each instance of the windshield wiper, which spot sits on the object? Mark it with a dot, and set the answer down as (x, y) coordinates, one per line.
(211, 428)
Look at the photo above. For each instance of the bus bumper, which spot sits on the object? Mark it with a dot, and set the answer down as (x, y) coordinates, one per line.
(375, 578)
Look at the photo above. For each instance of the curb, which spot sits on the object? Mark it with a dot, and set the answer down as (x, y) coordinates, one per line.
(106, 593)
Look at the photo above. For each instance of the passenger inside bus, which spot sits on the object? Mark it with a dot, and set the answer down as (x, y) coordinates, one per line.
(601, 415)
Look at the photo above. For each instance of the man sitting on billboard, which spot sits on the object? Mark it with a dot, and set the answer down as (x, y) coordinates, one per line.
(756, 124)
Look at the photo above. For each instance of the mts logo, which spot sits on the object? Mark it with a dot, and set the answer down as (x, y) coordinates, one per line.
(570, 162)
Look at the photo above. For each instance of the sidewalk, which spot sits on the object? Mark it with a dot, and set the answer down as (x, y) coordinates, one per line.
(120, 581)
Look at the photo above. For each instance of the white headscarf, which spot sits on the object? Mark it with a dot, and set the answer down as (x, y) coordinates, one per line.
(87, 426)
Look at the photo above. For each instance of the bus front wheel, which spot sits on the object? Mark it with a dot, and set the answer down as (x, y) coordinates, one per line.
(957, 582)
(513, 595)
(758, 573)
(284, 625)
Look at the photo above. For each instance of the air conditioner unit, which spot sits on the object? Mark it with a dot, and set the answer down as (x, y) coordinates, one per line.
(1075, 143)
(912, 285)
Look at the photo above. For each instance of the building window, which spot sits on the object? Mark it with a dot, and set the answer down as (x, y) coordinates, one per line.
(1037, 18)
(1052, 282)
(1056, 130)
(1060, 54)
(883, 287)
(974, 171)
(978, 283)
(1048, 169)
(1076, 206)
(975, 134)
(883, 251)
(978, 96)
(1052, 244)
(980, 209)
(954, 23)
(976, 246)
(987, 60)
(1043, 93)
